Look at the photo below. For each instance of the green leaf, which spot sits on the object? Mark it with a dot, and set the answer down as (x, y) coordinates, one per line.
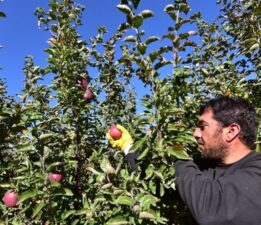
(255, 46)
(152, 186)
(123, 26)
(147, 200)
(204, 71)
(49, 167)
(38, 209)
(5, 185)
(149, 171)
(162, 63)
(169, 8)
(137, 21)
(50, 51)
(36, 116)
(29, 194)
(137, 144)
(67, 214)
(46, 136)
(178, 154)
(143, 154)
(124, 200)
(147, 215)
(159, 145)
(124, 8)
(173, 15)
(130, 38)
(151, 39)
(2, 14)
(81, 212)
(185, 139)
(75, 222)
(162, 190)
(68, 192)
(142, 48)
(158, 174)
(25, 147)
(147, 13)
(184, 8)
(117, 220)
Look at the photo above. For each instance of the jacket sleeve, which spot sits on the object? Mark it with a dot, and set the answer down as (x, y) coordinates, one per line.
(222, 200)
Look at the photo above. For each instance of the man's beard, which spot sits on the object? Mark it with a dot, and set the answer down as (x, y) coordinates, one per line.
(216, 154)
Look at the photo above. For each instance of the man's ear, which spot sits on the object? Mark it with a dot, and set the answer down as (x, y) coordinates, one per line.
(233, 130)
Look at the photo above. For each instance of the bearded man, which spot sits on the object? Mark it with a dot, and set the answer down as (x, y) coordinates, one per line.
(224, 187)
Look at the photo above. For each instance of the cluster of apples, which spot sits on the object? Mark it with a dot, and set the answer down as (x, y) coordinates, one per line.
(11, 198)
(84, 84)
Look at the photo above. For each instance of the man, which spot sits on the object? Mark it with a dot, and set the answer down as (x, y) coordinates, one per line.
(224, 187)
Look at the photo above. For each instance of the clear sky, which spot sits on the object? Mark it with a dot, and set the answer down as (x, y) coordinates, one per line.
(20, 36)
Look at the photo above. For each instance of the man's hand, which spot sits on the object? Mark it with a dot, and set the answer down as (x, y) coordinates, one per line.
(124, 143)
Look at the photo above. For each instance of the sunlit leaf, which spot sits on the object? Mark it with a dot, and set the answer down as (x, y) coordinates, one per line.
(38, 208)
(151, 39)
(117, 220)
(124, 8)
(169, 8)
(147, 13)
(124, 200)
(29, 194)
(130, 38)
(177, 153)
(137, 144)
(147, 200)
(148, 215)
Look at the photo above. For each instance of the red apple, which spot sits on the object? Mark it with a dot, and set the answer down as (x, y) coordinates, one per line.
(83, 82)
(10, 199)
(87, 95)
(55, 177)
(115, 133)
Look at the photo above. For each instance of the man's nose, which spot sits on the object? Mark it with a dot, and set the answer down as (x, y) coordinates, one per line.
(197, 133)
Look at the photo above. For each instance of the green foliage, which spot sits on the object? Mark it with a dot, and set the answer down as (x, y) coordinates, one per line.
(55, 129)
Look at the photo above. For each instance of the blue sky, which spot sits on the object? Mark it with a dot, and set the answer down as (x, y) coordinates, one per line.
(20, 35)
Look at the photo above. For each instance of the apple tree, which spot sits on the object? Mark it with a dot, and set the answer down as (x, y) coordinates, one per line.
(54, 151)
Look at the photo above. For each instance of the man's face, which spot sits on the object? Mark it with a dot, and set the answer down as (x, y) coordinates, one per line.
(210, 137)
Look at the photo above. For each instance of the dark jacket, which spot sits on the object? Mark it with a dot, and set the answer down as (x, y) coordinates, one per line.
(219, 194)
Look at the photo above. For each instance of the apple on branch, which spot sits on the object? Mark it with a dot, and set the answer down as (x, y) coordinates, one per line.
(87, 95)
(55, 177)
(10, 199)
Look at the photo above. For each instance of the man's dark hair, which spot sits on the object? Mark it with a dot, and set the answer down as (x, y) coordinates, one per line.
(228, 110)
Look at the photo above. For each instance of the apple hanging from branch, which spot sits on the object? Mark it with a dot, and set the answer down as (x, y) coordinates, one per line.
(10, 199)
(55, 177)
(87, 95)
(82, 82)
